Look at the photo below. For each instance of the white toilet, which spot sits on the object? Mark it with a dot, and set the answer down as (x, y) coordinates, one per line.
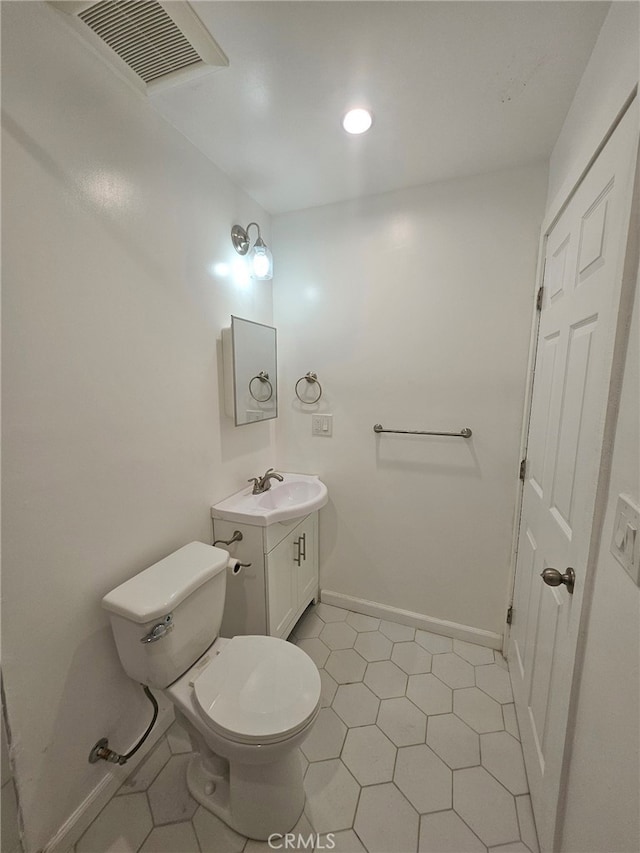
(247, 703)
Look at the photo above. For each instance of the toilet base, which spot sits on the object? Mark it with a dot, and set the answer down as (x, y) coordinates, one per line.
(256, 800)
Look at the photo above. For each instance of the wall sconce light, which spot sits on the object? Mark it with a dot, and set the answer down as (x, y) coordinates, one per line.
(260, 258)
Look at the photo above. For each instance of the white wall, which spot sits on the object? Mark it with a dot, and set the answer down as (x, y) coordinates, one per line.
(603, 784)
(607, 81)
(114, 441)
(414, 308)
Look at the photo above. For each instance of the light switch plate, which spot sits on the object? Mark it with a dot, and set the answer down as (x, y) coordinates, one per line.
(625, 540)
(322, 425)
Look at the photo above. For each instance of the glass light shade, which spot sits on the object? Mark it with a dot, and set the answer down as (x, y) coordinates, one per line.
(357, 121)
(261, 262)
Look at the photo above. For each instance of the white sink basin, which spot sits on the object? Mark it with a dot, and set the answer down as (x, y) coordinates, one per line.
(297, 495)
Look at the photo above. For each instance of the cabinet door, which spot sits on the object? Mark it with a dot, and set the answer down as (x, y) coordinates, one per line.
(307, 571)
(282, 590)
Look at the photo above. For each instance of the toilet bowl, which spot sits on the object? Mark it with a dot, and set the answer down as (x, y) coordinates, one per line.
(247, 703)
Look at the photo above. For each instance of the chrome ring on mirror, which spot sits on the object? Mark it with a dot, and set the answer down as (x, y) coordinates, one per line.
(312, 378)
(264, 378)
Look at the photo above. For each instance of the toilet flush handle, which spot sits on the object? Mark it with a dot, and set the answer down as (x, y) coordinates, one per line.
(159, 631)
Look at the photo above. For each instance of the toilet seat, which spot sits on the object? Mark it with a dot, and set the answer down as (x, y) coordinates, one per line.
(258, 690)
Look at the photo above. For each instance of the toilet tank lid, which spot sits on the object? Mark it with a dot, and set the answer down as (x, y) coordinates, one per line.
(156, 591)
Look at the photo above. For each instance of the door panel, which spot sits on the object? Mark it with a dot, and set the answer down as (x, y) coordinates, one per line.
(592, 233)
(557, 270)
(519, 634)
(578, 325)
(540, 428)
(571, 420)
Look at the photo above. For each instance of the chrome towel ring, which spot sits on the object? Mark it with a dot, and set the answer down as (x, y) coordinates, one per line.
(312, 379)
(264, 378)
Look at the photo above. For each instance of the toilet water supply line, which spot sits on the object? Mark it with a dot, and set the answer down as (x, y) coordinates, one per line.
(101, 749)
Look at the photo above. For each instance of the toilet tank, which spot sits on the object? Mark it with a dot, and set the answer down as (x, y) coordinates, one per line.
(166, 616)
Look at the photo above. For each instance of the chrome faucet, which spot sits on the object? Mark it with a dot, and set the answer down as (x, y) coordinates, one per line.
(263, 484)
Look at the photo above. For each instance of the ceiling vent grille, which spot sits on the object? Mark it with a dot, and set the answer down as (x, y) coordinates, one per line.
(160, 42)
(143, 35)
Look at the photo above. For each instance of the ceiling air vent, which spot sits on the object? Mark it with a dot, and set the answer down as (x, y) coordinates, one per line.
(162, 43)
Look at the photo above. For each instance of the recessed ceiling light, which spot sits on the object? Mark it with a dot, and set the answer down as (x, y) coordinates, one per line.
(357, 121)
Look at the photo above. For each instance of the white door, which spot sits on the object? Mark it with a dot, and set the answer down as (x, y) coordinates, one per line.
(585, 251)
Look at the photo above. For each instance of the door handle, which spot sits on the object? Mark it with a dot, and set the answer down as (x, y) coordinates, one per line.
(297, 558)
(303, 549)
(552, 577)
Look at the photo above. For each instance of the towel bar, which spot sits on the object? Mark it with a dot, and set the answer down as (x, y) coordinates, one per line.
(464, 433)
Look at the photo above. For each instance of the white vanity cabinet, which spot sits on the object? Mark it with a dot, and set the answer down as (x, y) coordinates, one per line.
(269, 596)
(292, 576)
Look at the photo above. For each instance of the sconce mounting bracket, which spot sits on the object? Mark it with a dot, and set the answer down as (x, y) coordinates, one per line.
(240, 239)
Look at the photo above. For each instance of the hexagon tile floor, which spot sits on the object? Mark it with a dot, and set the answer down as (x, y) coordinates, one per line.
(416, 750)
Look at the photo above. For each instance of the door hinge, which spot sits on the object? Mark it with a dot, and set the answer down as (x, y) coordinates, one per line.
(539, 299)
(523, 468)
(510, 615)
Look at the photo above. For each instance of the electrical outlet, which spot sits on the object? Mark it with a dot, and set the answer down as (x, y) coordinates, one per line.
(322, 425)
(625, 543)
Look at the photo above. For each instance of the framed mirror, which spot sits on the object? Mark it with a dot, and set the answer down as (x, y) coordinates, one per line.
(250, 371)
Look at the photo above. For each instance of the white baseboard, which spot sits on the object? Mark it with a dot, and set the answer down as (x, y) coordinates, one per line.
(89, 809)
(414, 620)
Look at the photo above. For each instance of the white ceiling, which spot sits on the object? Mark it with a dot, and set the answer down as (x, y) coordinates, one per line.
(456, 88)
